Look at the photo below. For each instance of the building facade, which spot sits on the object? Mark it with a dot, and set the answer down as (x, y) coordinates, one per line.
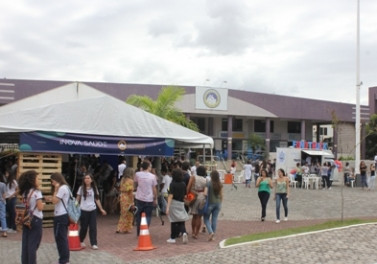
(232, 116)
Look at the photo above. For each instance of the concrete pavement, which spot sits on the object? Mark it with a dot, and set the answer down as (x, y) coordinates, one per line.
(240, 215)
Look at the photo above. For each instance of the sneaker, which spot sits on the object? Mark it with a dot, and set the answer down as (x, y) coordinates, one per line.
(171, 240)
(94, 247)
(82, 244)
(262, 219)
(285, 218)
(12, 231)
(277, 221)
(184, 238)
(204, 229)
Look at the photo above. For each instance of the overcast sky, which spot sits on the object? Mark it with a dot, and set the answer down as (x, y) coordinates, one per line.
(291, 47)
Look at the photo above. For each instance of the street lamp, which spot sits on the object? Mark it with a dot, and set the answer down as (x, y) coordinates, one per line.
(358, 83)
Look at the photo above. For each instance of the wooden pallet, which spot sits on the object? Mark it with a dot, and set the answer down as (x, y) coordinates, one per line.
(44, 164)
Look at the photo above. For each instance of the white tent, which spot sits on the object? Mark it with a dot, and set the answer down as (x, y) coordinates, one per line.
(78, 108)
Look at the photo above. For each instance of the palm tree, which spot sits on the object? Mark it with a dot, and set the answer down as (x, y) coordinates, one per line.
(164, 105)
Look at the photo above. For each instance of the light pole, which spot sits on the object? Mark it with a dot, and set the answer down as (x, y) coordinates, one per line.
(358, 83)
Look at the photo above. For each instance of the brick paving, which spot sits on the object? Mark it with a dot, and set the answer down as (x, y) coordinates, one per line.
(240, 215)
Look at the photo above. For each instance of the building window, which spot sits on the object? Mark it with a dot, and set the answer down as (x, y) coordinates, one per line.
(323, 131)
(294, 127)
(200, 122)
(260, 126)
(237, 124)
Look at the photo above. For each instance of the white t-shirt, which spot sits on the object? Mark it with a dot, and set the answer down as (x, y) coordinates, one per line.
(88, 204)
(248, 169)
(63, 194)
(121, 168)
(11, 191)
(145, 183)
(166, 180)
(193, 170)
(37, 195)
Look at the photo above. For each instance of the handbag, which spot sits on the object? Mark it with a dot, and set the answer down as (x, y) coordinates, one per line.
(204, 210)
(190, 198)
(23, 214)
(72, 208)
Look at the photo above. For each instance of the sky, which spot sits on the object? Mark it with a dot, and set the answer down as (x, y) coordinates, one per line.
(292, 47)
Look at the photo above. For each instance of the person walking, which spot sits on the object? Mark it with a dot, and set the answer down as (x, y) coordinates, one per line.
(88, 197)
(281, 194)
(146, 193)
(363, 174)
(248, 168)
(196, 185)
(325, 177)
(32, 198)
(126, 199)
(61, 194)
(264, 184)
(214, 193)
(175, 208)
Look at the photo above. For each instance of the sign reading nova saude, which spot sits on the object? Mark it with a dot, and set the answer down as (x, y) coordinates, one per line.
(40, 141)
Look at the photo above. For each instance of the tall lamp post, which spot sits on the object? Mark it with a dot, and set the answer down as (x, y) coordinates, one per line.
(358, 83)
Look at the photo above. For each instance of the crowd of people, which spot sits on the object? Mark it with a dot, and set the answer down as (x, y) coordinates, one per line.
(140, 190)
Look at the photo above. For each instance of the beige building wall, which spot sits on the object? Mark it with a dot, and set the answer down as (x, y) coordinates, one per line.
(346, 140)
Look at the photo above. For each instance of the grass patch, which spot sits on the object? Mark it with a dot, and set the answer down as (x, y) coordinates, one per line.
(295, 230)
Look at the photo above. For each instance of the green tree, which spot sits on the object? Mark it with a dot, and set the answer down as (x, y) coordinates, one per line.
(371, 138)
(164, 105)
(256, 142)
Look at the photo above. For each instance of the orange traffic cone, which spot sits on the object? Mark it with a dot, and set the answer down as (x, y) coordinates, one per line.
(145, 242)
(73, 237)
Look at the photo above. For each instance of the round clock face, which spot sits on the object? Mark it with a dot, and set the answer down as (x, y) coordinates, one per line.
(211, 98)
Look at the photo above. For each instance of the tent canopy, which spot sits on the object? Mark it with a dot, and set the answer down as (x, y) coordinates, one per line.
(80, 109)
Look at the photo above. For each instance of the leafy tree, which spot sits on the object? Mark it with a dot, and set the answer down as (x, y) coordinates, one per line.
(164, 105)
(371, 138)
(256, 142)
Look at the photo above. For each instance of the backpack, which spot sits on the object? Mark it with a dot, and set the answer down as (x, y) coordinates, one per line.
(72, 208)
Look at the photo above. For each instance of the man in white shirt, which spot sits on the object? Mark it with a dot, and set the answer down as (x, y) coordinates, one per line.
(146, 193)
(121, 167)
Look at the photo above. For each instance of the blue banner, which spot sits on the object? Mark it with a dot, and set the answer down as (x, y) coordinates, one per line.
(93, 144)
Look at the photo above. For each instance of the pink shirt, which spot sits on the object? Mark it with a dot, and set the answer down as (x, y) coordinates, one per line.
(145, 183)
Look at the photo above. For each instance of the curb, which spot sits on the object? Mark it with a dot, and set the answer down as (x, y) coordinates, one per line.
(223, 246)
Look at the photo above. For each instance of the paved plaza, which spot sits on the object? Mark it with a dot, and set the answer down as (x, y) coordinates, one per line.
(240, 215)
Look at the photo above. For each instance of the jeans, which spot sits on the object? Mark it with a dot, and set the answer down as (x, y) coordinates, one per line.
(61, 223)
(214, 210)
(176, 229)
(325, 179)
(147, 208)
(372, 182)
(11, 210)
(256, 175)
(88, 219)
(281, 197)
(31, 239)
(364, 180)
(263, 197)
(3, 217)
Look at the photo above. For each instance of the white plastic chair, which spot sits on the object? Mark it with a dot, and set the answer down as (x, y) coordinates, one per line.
(241, 177)
(292, 181)
(305, 182)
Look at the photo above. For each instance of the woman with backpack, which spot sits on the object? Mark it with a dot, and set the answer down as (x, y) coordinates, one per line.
(60, 197)
(32, 198)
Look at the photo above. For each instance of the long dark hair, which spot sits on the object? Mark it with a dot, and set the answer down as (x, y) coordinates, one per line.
(92, 184)
(26, 182)
(11, 177)
(59, 178)
(216, 184)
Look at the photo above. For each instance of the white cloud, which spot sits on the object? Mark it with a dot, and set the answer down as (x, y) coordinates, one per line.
(291, 47)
